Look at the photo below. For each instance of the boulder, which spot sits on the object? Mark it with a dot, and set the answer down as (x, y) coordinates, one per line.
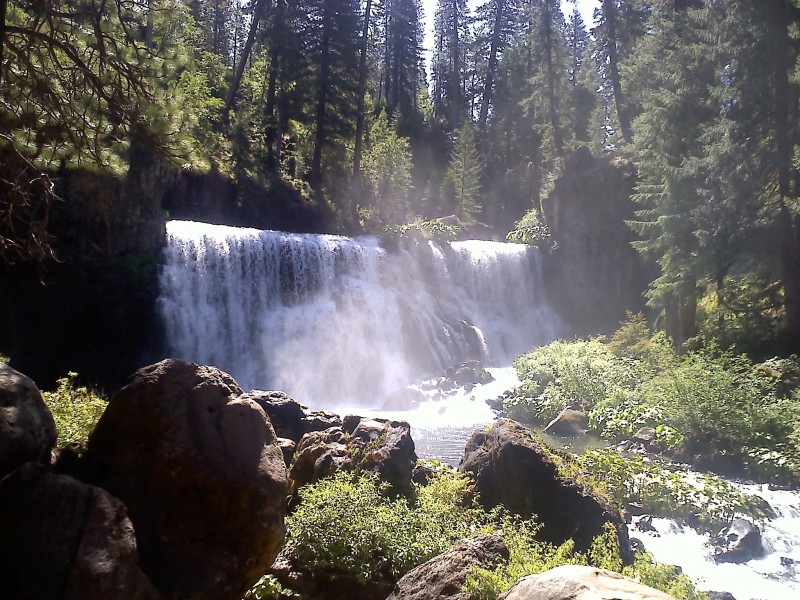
(376, 445)
(738, 543)
(569, 423)
(27, 429)
(444, 576)
(404, 399)
(289, 418)
(643, 441)
(512, 467)
(202, 476)
(720, 596)
(645, 524)
(578, 582)
(66, 540)
(471, 373)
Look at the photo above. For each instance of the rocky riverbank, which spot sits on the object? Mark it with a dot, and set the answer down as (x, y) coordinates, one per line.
(182, 493)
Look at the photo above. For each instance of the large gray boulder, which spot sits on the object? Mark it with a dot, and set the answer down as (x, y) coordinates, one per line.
(375, 445)
(578, 582)
(512, 467)
(61, 539)
(444, 576)
(738, 542)
(201, 474)
(27, 429)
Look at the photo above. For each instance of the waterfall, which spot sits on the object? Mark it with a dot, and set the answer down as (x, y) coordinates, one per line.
(335, 320)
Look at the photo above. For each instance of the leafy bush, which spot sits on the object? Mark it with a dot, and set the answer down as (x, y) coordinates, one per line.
(528, 557)
(663, 577)
(76, 410)
(434, 229)
(530, 230)
(708, 499)
(345, 525)
(708, 402)
(561, 374)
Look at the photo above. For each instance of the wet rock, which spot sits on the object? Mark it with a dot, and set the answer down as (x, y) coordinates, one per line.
(289, 418)
(643, 441)
(202, 476)
(637, 545)
(512, 467)
(376, 445)
(569, 423)
(27, 429)
(738, 543)
(66, 540)
(578, 582)
(444, 576)
(720, 596)
(471, 372)
(404, 399)
(645, 524)
(288, 448)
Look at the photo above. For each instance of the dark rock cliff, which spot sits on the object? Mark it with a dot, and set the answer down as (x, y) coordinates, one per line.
(594, 275)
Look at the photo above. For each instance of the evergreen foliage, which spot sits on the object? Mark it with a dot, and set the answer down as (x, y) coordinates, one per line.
(461, 188)
(283, 98)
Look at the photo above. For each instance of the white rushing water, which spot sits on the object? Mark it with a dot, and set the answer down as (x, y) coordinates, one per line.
(334, 320)
(773, 576)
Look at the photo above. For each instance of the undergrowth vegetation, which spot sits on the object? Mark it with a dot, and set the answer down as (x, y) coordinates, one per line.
(347, 526)
(76, 410)
(705, 403)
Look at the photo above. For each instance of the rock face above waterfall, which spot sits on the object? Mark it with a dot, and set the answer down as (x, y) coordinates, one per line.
(577, 582)
(511, 468)
(594, 274)
(199, 469)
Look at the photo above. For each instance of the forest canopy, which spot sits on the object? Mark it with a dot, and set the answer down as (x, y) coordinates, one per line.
(338, 106)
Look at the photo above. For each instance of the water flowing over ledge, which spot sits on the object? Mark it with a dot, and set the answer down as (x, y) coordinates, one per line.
(335, 320)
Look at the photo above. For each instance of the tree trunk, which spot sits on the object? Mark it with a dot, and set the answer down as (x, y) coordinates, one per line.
(552, 101)
(3, 11)
(786, 96)
(455, 76)
(362, 92)
(248, 47)
(489, 83)
(273, 136)
(610, 14)
(322, 100)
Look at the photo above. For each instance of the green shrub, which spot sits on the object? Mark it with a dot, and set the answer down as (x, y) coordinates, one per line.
(530, 230)
(716, 403)
(708, 499)
(561, 374)
(345, 525)
(663, 577)
(76, 410)
(527, 556)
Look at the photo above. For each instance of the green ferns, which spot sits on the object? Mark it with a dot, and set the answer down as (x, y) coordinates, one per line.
(76, 410)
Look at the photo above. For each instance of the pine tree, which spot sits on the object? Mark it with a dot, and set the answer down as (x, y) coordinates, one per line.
(461, 188)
